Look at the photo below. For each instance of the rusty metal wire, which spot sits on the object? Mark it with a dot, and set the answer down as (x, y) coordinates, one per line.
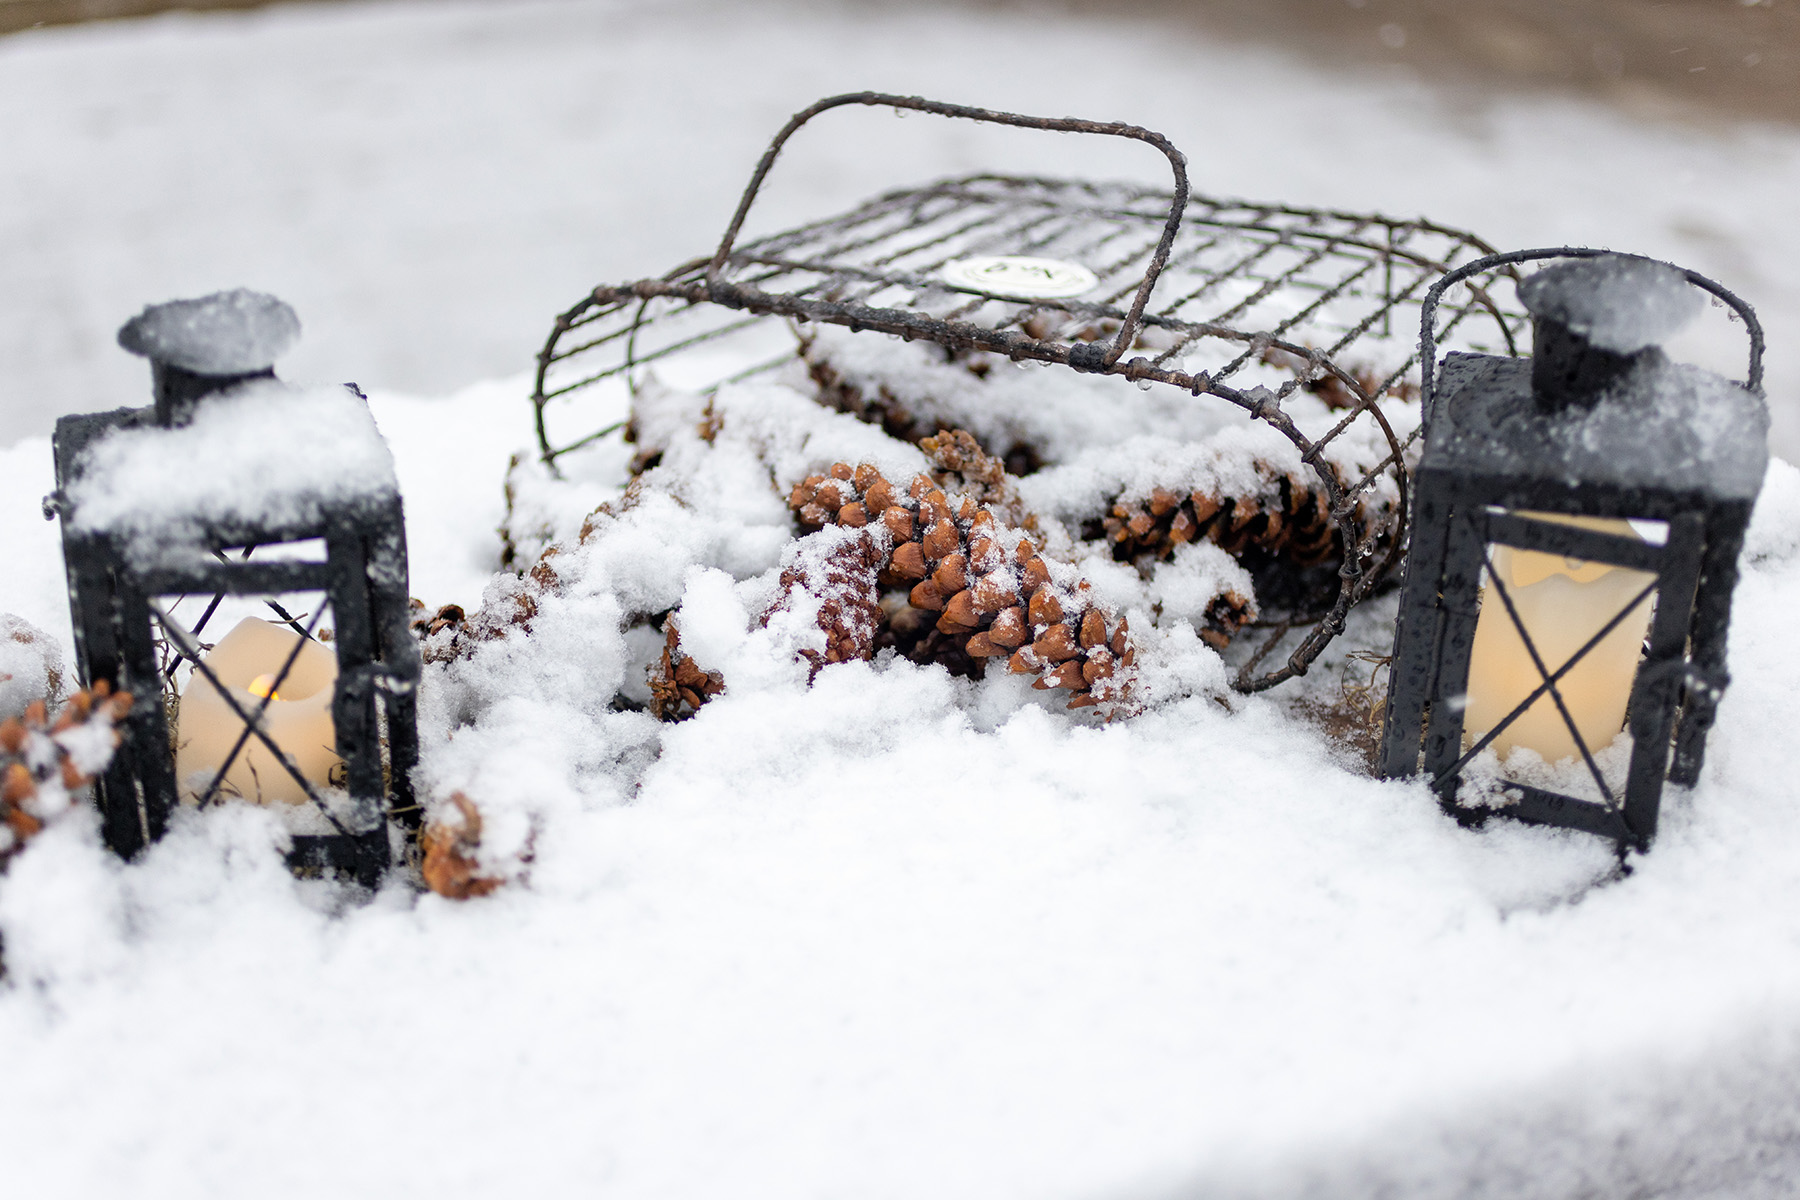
(1203, 287)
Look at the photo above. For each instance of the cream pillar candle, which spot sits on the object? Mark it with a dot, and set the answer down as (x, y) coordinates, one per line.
(1563, 602)
(298, 718)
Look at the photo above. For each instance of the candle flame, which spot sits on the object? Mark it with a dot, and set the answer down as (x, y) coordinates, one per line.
(264, 686)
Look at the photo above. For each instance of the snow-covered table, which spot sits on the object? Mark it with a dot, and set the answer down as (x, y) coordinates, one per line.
(898, 934)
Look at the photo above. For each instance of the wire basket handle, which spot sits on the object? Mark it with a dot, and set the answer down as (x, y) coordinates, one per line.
(1177, 162)
(1428, 313)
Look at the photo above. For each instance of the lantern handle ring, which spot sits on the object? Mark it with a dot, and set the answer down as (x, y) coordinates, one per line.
(1428, 311)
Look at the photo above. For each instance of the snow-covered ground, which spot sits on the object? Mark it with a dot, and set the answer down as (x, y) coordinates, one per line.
(895, 935)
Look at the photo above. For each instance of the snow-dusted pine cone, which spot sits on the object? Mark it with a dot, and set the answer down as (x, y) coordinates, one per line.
(833, 588)
(678, 684)
(1281, 531)
(31, 666)
(883, 408)
(892, 414)
(993, 594)
(449, 865)
(444, 633)
(844, 587)
(44, 764)
(449, 633)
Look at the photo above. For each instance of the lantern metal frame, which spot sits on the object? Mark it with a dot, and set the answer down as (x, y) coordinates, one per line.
(1458, 514)
(123, 635)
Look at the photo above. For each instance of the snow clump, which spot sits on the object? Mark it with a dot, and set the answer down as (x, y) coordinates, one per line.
(263, 454)
(31, 666)
(1617, 303)
(238, 332)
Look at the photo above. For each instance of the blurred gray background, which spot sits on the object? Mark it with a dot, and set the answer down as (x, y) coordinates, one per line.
(1672, 57)
(430, 181)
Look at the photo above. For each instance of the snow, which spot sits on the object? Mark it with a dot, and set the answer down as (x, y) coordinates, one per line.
(1057, 412)
(1699, 427)
(1617, 303)
(262, 454)
(227, 333)
(898, 933)
(1660, 423)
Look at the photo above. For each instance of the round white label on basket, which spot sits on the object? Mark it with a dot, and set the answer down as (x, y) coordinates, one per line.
(1020, 275)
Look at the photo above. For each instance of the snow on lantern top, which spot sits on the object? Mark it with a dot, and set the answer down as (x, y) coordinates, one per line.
(1659, 424)
(239, 332)
(1616, 303)
(1599, 402)
(263, 456)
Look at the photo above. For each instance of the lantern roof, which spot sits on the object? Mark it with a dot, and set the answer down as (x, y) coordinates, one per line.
(264, 458)
(1662, 427)
(239, 332)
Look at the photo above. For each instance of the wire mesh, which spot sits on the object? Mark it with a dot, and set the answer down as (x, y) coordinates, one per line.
(1190, 292)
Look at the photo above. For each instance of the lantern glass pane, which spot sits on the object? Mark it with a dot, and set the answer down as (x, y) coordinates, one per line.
(1581, 626)
(268, 661)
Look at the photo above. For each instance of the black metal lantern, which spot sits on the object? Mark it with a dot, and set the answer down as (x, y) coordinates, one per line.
(235, 497)
(1578, 517)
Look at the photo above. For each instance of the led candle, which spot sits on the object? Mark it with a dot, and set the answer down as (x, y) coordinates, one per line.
(1563, 603)
(298, 718)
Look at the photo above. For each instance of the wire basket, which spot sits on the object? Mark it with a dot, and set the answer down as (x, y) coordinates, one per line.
(1200, 288)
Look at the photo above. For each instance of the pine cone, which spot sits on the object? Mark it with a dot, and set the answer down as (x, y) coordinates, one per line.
(1285, 516)
(450, 867)
(989, 601)
(837, 591)
(426, 623)
(1281, 531)
(678, 685)
(43, 764)
(848, 596)
(963, 467)
(443, 633)
(449, 633)
(515, 606)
